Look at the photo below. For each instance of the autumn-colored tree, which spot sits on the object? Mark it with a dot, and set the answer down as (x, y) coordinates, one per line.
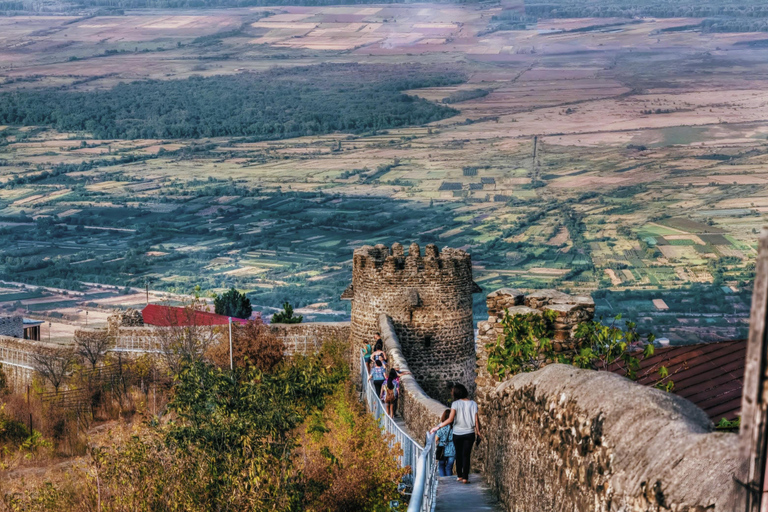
(253, 344)
(346, 463)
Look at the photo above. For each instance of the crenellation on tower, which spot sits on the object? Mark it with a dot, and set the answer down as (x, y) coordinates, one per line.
(429, 299)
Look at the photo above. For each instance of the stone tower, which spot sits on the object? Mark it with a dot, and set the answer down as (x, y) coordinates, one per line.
(429, 299)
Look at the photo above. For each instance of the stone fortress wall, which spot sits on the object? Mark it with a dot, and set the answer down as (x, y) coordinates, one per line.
(12, 326)
(16, 360)
(429, 300)
(571, 311)
(562, 439)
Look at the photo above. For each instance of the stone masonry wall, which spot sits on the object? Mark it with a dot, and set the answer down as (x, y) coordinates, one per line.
(563, 439)
(16, 360)
(571, 311)
(308, 338)
(429, 299)
(12, 326)
(419, 411)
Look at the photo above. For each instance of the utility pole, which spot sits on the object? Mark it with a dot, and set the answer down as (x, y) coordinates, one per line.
(231, 363)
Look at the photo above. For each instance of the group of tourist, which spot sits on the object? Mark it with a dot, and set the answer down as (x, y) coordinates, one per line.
(386, 383)
(459, 427)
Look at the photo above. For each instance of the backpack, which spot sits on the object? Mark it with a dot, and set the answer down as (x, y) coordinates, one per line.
(390, 397)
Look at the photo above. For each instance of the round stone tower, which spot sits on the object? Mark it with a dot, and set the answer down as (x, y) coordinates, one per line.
(429, 299)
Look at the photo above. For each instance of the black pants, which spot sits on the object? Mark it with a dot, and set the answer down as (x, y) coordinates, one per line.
(463, 444)
(377, 386)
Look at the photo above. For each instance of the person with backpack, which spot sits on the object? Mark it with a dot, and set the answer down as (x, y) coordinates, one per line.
(466, 429)
(394, 379)
(378, 352)
(378, 375)
(446, 451)
(389, 398)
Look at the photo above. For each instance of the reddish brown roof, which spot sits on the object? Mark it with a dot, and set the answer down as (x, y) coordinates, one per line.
(166, 316)
(711, 375)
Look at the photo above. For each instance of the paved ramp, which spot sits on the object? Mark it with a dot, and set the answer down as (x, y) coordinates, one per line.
(455, 497)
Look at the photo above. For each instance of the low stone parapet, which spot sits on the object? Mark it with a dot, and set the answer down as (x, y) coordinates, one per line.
(419, 411)
(563, 439)
(307, 338)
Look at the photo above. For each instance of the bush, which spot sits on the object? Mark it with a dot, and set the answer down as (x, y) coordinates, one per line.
(346, 464)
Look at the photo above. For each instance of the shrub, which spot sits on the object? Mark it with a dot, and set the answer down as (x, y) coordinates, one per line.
(345, 462)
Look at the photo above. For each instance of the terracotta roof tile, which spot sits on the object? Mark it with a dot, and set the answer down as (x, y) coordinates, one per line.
(711, 375)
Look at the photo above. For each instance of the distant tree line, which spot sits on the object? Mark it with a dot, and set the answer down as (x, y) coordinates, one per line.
(281, 103)
(722, 15)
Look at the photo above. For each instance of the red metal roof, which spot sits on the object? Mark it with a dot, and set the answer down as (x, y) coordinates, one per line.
(167, 316)
(711, 375)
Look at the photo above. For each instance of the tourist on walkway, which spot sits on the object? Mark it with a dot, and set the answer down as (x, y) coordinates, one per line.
(393, 379)
(389, 398)
(378, 352)
(466, 429)
(367, 353)
(446, 451)
(378, 375)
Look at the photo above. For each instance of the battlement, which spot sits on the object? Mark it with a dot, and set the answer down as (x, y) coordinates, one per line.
(381, 257)
(429, 299)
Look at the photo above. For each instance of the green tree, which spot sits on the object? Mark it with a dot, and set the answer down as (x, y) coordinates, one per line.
(233, 303)
(286, 316)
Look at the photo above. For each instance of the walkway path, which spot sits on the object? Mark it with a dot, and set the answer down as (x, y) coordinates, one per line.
(455, 497)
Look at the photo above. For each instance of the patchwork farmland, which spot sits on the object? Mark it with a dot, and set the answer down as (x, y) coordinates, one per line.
(636, 172)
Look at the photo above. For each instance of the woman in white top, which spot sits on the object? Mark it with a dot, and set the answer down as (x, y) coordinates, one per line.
(466, 428)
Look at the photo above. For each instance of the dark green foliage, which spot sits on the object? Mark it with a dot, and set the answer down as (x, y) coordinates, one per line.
(723, 15)
(459, 96)
(218, 411)
(233, 303)
(286, 316)
(526, 337)
(11, 431)
(279, 104)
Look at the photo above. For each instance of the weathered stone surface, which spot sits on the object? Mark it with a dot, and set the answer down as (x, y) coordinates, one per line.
(18, 352)
(564, 439)
(308, 338)
(12, 326)
(429, 299)
(419, 411)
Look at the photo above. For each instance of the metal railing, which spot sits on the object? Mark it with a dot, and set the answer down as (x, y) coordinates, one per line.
(300, 344)
(16, 357)
(421, 460)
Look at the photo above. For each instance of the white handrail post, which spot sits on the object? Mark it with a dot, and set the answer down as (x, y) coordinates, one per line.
(231, 364)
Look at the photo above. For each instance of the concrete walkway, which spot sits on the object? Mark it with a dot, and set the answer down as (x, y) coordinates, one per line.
(455, 497)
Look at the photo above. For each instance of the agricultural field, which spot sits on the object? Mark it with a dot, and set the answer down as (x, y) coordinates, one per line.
(627, 161)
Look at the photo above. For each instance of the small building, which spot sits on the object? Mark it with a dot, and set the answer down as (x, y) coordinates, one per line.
(16, 326)
(173, 316)
(32, 329)
(660, 304)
